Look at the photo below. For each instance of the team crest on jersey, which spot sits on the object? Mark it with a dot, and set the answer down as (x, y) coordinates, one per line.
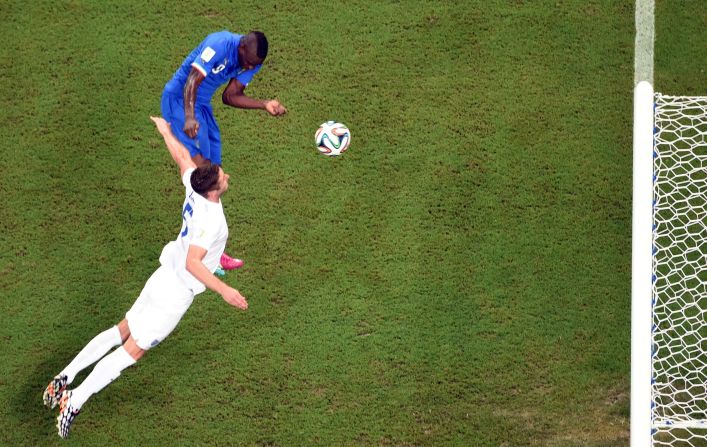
(207, 54)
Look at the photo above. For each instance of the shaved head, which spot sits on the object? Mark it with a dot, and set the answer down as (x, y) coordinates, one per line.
(252, 49)
(260, 42)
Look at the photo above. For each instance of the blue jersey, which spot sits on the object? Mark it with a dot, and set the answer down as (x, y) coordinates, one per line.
(217, 59)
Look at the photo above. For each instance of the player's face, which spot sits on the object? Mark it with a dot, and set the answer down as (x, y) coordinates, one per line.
(248, 56)
(222, 181)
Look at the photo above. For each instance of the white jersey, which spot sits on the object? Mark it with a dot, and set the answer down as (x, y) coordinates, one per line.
(204, 226)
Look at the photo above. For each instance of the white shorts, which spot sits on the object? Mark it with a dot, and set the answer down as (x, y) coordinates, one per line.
(156, 312)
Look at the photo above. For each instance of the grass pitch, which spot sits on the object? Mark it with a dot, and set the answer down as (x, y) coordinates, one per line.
(459, 277)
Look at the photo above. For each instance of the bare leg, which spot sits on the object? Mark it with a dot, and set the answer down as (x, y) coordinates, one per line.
(124, 330)
(135, 351)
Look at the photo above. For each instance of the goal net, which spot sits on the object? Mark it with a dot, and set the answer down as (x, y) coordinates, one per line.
(678, 293)
(680, 271)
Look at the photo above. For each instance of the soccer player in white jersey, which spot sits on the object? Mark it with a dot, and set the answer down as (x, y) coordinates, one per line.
(187, 269)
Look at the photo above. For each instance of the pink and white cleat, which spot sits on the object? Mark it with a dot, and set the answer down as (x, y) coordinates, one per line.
(229, 263)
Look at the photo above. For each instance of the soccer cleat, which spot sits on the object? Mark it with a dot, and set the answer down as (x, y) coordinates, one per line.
(229, 263)
(67, 414)
(52, 393)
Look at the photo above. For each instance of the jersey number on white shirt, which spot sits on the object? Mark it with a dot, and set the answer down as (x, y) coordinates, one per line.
(186, 215)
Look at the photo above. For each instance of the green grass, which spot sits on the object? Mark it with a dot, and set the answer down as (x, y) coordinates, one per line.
(459, 277)
(678, 54)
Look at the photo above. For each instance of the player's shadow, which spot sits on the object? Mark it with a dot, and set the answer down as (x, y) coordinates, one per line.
(37, 421)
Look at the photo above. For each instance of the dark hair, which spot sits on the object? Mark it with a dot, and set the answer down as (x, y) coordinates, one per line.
(261, 43)
(205, 178)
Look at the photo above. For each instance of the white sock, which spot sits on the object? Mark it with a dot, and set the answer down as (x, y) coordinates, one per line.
(94, 350)
(105, 371)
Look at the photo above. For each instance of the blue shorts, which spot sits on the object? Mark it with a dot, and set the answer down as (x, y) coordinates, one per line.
(208, 139)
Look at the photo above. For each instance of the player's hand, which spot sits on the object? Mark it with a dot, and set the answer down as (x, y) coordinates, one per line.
(234, 298)
(191, 127)
(274, 108)
(161, 124)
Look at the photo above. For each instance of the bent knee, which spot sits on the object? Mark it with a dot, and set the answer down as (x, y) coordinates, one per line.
(135, 351)
(124, 330)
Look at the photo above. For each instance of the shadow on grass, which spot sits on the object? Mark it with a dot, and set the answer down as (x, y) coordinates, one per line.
(37, 422)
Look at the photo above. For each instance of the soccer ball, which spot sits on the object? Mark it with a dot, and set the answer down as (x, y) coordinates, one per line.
(332, 138)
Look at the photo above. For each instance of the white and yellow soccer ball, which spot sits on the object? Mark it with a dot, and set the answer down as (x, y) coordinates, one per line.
(332, 138)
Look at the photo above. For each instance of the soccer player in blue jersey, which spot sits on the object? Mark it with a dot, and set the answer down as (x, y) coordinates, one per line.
(222, 57)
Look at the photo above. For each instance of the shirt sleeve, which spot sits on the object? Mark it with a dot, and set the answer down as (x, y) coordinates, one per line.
(244, 77)
(186, 179)
(212, 51)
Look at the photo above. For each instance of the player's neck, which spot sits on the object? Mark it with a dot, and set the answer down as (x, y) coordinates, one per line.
(213, 196)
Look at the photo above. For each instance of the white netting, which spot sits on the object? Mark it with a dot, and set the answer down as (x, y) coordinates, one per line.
(680, 272)
(679, 437)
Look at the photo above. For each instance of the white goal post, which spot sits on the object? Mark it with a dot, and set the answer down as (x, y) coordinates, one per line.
(642, 266)
(669, 271)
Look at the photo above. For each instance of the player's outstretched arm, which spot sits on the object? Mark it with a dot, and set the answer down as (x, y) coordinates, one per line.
(191, 125)
(200, 272)
(179, 153)
(233, 96)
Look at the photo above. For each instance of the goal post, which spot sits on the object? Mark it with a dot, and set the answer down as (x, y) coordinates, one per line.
(642, 266)
(669, 271)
